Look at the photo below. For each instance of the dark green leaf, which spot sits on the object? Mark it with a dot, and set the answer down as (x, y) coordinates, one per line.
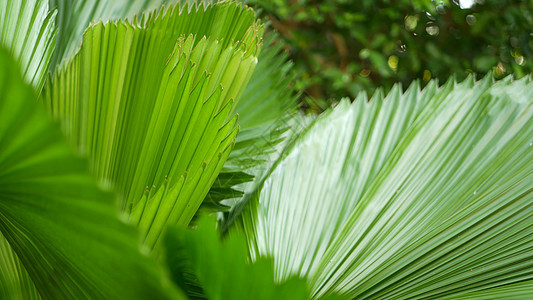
(62, 231)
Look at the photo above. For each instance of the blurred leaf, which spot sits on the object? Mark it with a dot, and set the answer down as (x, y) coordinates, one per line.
(485, 63)
(222, 268)
(490, 28)
(59, 234)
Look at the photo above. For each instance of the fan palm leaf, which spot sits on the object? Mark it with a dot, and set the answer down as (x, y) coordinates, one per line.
(73, 17)
(27, 30)
(151, 104)
(268, 114)
(418, 195)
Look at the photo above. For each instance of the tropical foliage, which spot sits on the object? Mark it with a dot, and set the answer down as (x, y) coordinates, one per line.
(420, 195)
(376, 43)
(122, 123)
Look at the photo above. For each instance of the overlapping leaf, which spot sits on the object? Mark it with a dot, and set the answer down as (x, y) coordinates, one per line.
(268, 119)
(425, 194)
(268, 102)
(221, 267)
(75, 16)
(151, 105)
(27, 31)
(60, 234)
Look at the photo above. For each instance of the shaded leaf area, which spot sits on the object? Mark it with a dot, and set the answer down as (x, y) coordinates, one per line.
(266, 105)
(206, 266)
(60, 233)
(151, 108)
(27, 31)
(223, 188)
(267, 112)
(15, 282)
(422, 194)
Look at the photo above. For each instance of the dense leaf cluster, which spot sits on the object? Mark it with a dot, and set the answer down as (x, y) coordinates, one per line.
(343, 47)
(123, 123)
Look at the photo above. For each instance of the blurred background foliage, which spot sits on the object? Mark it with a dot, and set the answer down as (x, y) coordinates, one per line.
(342, 47)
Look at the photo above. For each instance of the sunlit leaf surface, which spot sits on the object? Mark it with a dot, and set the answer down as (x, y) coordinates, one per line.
(422, 194)
(27, 31)
(150, 103)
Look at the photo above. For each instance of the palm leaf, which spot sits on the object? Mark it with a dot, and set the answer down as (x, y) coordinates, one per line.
(154, 115)
(520, 290)
(75, 16)
(221, 268)
(27, 31)
(268, 103)
(60, 235)
(268, 120)
(421, 195)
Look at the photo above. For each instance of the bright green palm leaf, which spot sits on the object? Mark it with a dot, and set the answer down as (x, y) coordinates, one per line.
(424, 194)
(27, 30)
(152, 107)
(267, 104)
(75, 16)
(58, 225)
(268, 120)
